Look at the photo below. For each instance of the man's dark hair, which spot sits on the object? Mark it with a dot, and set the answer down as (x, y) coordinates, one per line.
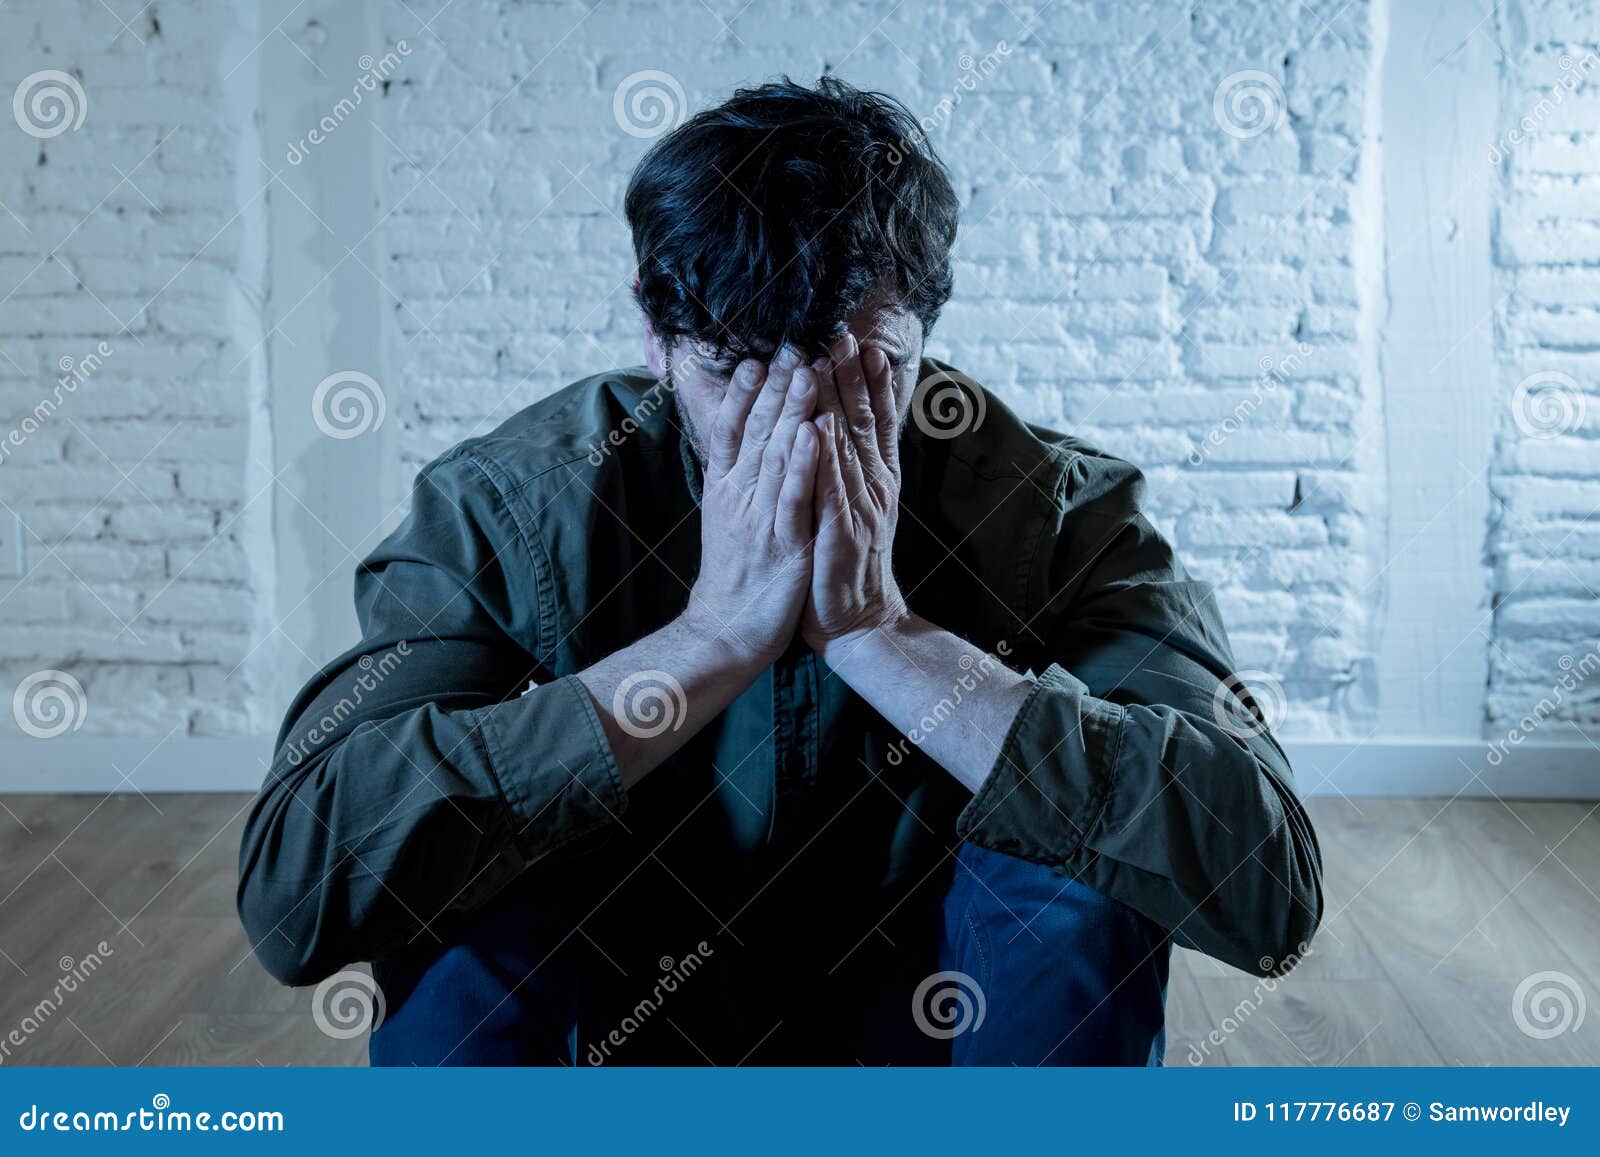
(771, 217)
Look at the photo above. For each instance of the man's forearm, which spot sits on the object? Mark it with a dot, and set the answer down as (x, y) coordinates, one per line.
(953, 699)
(755, 567)
(654, 695)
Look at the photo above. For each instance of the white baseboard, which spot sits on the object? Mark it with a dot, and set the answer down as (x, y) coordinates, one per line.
(1390, 767)
(71, 763)
(1470, 768)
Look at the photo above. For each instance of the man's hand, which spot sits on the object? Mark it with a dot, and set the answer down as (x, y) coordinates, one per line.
(856, 618)
(755, 572)
(857, 500)
(756, 512)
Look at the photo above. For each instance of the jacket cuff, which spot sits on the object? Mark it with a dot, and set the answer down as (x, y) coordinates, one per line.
(1054, 774)
(550, 757)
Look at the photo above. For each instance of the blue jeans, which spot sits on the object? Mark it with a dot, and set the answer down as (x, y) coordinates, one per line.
(1071, 977)
(1011, 963)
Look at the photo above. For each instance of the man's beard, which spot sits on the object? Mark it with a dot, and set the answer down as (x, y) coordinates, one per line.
(686, 422)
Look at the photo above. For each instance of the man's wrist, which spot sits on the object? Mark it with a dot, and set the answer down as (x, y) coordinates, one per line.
(721, 645)
(853, 648)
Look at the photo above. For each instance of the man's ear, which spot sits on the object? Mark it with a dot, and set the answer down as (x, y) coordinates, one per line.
(655, 354)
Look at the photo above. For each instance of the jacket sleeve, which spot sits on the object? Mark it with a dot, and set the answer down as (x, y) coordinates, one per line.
(412, 779)
(1139, 763)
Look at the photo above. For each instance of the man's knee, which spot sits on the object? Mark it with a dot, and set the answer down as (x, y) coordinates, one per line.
(1067, 975)
(503, 993)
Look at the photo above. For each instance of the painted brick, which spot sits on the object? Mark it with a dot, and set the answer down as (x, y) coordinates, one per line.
(1126, 270)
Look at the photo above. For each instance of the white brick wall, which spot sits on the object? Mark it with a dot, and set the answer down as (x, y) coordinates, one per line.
(1125, 268)
(1137, 264)
(131, 306)
(1544, 542)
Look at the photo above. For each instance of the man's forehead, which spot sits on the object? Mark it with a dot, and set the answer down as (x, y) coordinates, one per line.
(882, 318)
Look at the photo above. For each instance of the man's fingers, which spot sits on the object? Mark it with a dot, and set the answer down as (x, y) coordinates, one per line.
(831, 502)
(764, 415)
(827, 368)
(798, 406)
(846, 451)
(793, 523)
(847, 371)
(854, 402)
(880, 395)
(727, 428)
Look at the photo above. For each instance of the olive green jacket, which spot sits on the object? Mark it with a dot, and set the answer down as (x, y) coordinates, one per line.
(419, 774)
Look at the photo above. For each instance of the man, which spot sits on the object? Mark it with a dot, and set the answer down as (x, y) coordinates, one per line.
(745, 712)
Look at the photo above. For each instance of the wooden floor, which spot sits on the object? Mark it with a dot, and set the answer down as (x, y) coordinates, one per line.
(1437, 912)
